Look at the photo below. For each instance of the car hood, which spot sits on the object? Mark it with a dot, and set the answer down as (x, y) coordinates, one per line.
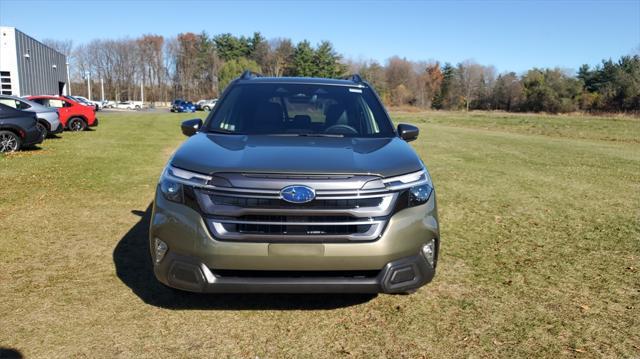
(211, 153)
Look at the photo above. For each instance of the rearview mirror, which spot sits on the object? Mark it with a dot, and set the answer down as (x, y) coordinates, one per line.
(190, 127)
(408, 132)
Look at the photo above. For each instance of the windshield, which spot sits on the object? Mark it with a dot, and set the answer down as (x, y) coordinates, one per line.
(301, 109)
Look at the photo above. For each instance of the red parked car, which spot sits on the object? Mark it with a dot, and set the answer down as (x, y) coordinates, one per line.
(73, 115)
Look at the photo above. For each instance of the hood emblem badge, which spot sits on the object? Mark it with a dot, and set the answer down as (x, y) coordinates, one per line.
(298, 194)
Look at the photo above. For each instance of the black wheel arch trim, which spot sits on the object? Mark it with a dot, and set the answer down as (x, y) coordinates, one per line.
(15, 129)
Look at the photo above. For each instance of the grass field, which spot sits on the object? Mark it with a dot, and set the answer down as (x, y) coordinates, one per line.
(540, 257)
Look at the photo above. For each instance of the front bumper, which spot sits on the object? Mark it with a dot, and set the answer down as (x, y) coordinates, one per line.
(198, 262)
(32, 136)
(59, 129)
(188, 273)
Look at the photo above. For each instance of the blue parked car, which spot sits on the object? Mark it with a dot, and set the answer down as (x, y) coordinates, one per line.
(183, 106)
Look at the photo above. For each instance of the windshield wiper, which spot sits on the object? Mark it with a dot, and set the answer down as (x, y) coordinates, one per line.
(223, 132)
(304, 134)
(320, 135)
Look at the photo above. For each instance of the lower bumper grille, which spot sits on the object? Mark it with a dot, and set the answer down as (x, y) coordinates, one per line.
(295, 274)
(296, 229)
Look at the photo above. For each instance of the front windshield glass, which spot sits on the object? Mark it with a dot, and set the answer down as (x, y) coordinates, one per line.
(301, 109)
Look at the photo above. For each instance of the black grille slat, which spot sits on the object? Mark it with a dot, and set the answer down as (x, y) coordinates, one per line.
(295, 274)
(273, 203)
(287, 219)
(289, 229)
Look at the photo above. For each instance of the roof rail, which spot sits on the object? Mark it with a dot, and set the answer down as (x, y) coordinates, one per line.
(354, 77)
(248, 74)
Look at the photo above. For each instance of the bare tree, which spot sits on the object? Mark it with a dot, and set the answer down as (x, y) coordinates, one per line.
(279, 56)
(64, 47)
(399, 77)
(150, 63)
(470, 75)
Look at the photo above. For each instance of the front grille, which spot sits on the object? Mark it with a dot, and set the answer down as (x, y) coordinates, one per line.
(277, 203)
(258, 214)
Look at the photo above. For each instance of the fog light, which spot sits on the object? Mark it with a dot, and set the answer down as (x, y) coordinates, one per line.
(429, 251)
(161, 249)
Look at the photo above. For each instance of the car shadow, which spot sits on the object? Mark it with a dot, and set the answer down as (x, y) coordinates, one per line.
(133, 266)
(31, 148)
(9, 353)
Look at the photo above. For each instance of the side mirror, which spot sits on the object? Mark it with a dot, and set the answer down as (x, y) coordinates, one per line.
(408, 132)
(190, 127)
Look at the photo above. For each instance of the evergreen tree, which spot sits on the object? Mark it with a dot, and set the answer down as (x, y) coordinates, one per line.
(327, 61)
(234, 68)
(230, 47)
(442, 98)
(303, 59)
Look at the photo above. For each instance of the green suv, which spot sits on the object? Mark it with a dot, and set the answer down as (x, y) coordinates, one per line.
(295, 185)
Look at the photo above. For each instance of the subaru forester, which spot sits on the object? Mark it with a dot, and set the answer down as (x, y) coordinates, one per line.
(295, 185)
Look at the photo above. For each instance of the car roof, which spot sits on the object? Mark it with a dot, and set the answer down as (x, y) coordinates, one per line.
(8, 111)
(46, 96)
(36, 106)
(301, 81)
(62, 98)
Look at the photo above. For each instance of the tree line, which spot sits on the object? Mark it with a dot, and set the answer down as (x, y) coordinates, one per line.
(197, 66)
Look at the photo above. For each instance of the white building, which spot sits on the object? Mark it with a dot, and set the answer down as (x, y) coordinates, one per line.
(29, 67)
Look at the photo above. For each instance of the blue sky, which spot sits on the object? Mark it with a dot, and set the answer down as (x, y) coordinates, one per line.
(512, 35)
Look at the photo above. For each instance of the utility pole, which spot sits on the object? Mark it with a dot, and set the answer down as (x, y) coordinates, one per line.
(89, 85)
(142, 92)
(102, 89)
(68, 88)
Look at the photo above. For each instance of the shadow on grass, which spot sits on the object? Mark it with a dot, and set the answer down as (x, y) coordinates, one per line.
(31, 148)
(8, 353)
(133, 266)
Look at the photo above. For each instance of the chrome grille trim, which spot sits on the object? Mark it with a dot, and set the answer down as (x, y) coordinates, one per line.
(271, 223)
(219, 232)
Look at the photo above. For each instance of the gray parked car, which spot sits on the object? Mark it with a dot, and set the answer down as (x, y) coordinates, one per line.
(206, 105)
(48, 120)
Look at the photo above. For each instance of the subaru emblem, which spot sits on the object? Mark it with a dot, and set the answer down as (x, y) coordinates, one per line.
(297, 194)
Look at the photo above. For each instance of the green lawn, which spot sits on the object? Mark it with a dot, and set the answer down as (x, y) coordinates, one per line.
(540, 256)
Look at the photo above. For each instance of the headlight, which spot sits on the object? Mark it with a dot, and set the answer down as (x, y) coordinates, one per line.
(419, 194)
(416, 188)
(174, 180)
(171, 190)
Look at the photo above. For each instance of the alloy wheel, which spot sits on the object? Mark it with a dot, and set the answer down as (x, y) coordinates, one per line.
(75, 125)
(8, 142)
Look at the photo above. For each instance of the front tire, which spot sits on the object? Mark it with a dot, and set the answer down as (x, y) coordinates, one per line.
(206, 108)
(77, 124)
(43, 129)
(9, 142)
